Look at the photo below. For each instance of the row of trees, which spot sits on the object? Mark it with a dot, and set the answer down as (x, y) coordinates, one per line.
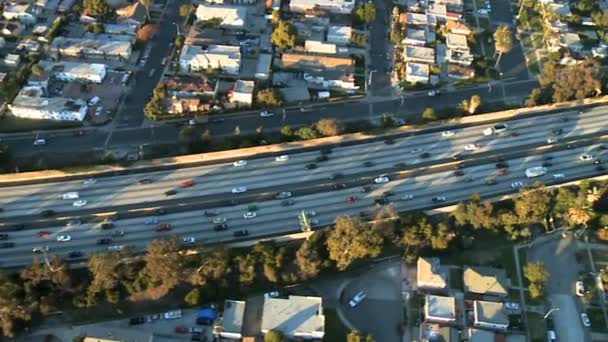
(465, 107)
(322, 128)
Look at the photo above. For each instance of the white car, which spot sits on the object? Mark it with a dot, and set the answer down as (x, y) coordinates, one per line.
(41, 249)
(239, 163)
(447, 134)
(239, 190)
(551, 140)
(98, 111)
(64, 238)
(357, 299)
(173, 314)
(282, 158)
(249, 215)
(580, 289)
(70, 195)
(586, 157)
(266, 114)
(115, 248)
(89, 181)
(272, 294)
(151, 220)
(94, 100)
(80, 203)
(517, 185)
(559, 176)
(407, 197)
(472, 147)
(433, 92)
(381, 179)
(512, 306)
(219, 220)
(39, 142)
(585, 319)
(189, 240)
(310, 212)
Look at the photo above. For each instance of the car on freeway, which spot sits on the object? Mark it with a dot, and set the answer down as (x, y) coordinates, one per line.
(459, 173)
(433, 92)
(557, 131)
(64, 238)
(425, 155)
(389, 141)
(137, 320)
(151, 220)
(559, 176)
(239, 190)
(310, 212)
(547, 164)
(447, 134)
(580, 289)
(282, 158)
(357, 299)
(210, 213)
(240, 233)
(517, 185)
(75, 254)
(585, 157)
(381, 201)
(597, 162)
(502, 172)
(552, 140)
(502, 165)
(287, 203)
(368, 163)
(321, 158)
(585, 320)
(535, 171)
(170, 192)
(163, 227)
(365, 189)
(118, 233)
(351, 199)
(73, 223)
(115, 248)
(80, 203)
(283, 195)
(70, 195)
(104, 241)
(47, 213)
(239, 163)
(438, 199)
(266, 114)
(89, 181)
(7, 245)
(219, 219)
(472, 147)
(3, 236)
(400, 165)
(186, 184)
(336, 175)
(407, 197)
(311, 166)
(42, 249)
(107, 225)
(381, 179)
(415, 150)
(272, 294)
(189, 240)
(249, 215)
(39, 142)
(144, 181)
(220, 227)
(490, 181)
(44, 234)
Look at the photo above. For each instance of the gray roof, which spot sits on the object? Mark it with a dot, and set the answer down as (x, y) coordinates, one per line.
(295, 316)
(232, 320)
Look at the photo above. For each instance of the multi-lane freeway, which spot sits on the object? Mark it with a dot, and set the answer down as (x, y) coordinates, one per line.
(522, 146)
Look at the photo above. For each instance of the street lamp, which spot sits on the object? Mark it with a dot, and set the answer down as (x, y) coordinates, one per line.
(549, 312)
(368, 82)
(177, 26)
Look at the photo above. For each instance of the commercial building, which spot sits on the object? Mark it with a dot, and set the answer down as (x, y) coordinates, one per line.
(490, 315)
(31, 103)
(440, 309)
(430, 274)
(231, 16)
(231, 324)
(90, 48)
(224, 57)
(332, 6)
(296, 317)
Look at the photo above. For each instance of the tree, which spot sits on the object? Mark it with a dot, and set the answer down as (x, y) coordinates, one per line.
(537, 276)
(429, 114)
(307, 133)
(12, 309)
(274, 336)
(366, 13)
(284, 35)
(193, 297)
(287, 133)
(97, 8)
(477, 214)
(503, 41)
(355, 336)
(533, 206)
(308, 260)
(350, 240)
(270, 97)
(474, 104)
(574, 82)
(185, 10)
(580, 216)
(164, 264)
(213, 266)
(329, 127)
(102, 267)
(358, 39)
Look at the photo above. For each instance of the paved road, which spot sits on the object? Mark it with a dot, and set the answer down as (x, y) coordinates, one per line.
(380, 81)
(218, 180)
(513, 64)
(273, 218)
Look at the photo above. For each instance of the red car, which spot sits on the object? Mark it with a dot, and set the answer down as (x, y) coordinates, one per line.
(186, 184)
(503, 172)
(180, 329)
(44, 234)
(163, 227)
(365, 189)
(351, 199)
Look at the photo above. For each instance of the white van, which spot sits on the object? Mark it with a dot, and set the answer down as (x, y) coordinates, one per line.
(536, 171)
(70, 195)
(94, 100)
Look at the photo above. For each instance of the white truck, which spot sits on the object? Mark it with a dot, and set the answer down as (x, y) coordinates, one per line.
(536, 171)
(70, 195)
(496, 129)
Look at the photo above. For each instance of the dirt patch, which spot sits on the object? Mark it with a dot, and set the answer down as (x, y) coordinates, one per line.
(150, 294)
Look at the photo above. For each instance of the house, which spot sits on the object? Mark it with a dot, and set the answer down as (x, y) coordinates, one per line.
(458, 27)
(332, 6)
(209, 36)
(189, 105)
(457, 42)
(190, 86)
(571, 41)
(411, 18)
(557, 25)
(440, 309)
(315, 62)
(461, 57)
(417, 72)
(90, 48)
(339, 34)
(562, 9)
(10, 28)
(441, 13)
(71, 71)
(430, 274)
(477, 335)
(31, 103)
(490, 315)
(11, 60)
(419, 54)
(459, 72)
(326, 79)
(307, 30)
(315, 46)
(23, 12)
(231, 16)
(134, 14)
(262, 68)
(224, 57)
(242, 92)
(485, 281)
(121, 29)
(231, 323)
(29, 46)
(295, 317)
(433, 332)
(415, 36)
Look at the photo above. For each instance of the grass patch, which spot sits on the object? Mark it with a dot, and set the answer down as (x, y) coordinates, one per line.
(598, 324)
(335, 331)
(11, 124)
(537, 327)
(472, 81)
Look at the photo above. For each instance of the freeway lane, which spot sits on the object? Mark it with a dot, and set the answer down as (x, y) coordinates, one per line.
(264, 173)
(275, 219)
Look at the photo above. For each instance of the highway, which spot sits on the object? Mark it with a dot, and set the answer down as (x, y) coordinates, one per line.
(273, 218)
(216, 181)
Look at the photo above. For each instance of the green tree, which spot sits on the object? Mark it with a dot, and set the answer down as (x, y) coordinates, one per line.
(474, 104)
(270, 97)
(533, 206)
(213, 266)
(247, 268)
(164, 264)
(287, 133)
(12, 309)
(37, 70)
(354, 336)
(366, 13)
(429, 114)
(193, 297)
(352, 239)
(284, 35)
(503, 41)
(102, 267)
(358, 39)
(309, 260)
(329, 127)
(185, 10)
(537, 276)
(477, 214)
(97, 8)
(307, 133)
(274, 336)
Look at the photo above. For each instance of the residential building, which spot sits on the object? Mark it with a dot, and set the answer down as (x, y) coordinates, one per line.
(417, 72)
(29, 46)
(65, 6)
(419, 54)
(339, 34)
(557, 25)
(462, 57)
(134, 14)
(90, 48)
(31, 103)
(440, 309)
(22, 12)
(242, 92)
(323, 80)
(190, 86)
(187, 105)
(433, 332)
(430, 274)
(459, 72)
(490, 315)
(224, 57)
(485, 281)
(12, 60)
(315, 62)
(458, 27)
(70, 72)
(332, 6)
(10, 28)
(571, 41)
(295, 317)
(415, 36)
(262, 69)
(232, 16)
(457, 42)
(315, 46)
(231, 324)
(121, 29)
(209, 36)
(420, 19)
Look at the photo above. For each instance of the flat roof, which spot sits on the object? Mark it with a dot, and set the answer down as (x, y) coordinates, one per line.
(294, 316)
(234, 311)
(485, 280)
(441, 307)
(455, 39)
(490, 312)
(230, 15)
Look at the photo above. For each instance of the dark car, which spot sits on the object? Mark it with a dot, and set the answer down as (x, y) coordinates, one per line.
(160, 211)
(47, 213)
(366, 188)
(548, 157)
(363, 214)
(220, 227)
(321, 158)
(3, 236)
(7, 245)
(210, 213)
(104, 241)
(288, 202)
(326, 150)
(490, 181)
(18, 226)
(457, 156)
(502, 165)
(339, 186)
(388, 193)
(381, 201)
(170, 192)
(469, 179)
(438, 199)
(240, 233)
(144, 181)
(137, 320)
(107, 225)
(311, 166)
(425, 155)
(368, 163)
(547, 164)
(336, 175)
(163, 227)
(600, 168)
(460, 166)
(557, 131)
(458, 173)
(75, 254)
(389, 141)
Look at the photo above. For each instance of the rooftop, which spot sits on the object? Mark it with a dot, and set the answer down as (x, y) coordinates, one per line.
(490, 312)
(295, 316)
(232, 321)
(485, 280)
(241, 86)
(297, 60)
(454, 40)
(230, 15)
(440, 308)
(417, 53)
(430, 273)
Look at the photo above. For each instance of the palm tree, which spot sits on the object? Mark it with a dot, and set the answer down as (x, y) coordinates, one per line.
(503, 41)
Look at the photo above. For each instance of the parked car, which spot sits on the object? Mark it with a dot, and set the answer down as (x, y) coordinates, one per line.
(175, 314)
(357, 299)
(137, 320)
(585, 320)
